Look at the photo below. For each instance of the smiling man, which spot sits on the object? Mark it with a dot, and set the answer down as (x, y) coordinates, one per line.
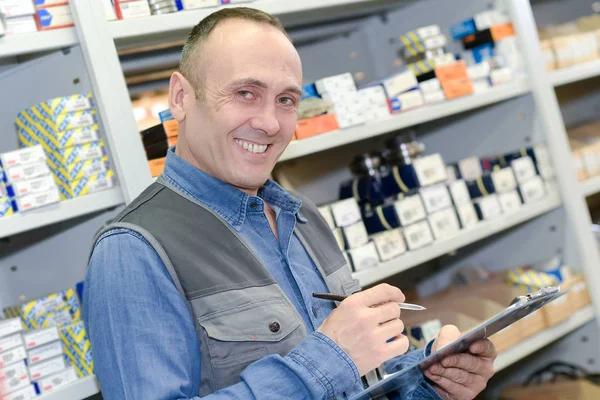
(202, 286)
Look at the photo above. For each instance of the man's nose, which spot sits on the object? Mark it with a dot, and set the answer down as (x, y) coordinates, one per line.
(266, 120)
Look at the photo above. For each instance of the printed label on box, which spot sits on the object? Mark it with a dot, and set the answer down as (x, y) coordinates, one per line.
(34, 185)
(45, 352)
(389, 244)
(346, 212)
(364, 257)
(27, 393)
(36, 200)
(444, 224)
(418, 235)
(15, 379)
(46, 368)
(34, 154)
(524, 168)
(532, 190)
(40, 337)
(55, 381)
(430, 85)
(10, 342)
(16, 370)
(510, 201)
(101, 184)
(355, 235)
(434, 97)
(410, 210)
(10, 326)
(470, 168)
(435, 197)
(467, 215)
(504, 180)
(12, 356)
(28, 171)
(459, 192)
(86, 136)
(479, 71)
(489, 206)
(502, 75)
(542, 155)
(430, 169)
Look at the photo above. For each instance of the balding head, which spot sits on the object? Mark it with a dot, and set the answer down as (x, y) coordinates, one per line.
(190, 64)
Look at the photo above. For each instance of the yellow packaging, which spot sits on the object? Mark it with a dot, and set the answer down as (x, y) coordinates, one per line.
(35, 118)
(61, 105)
(58, 140)
(86, 185)
(78, 349)
(6, 207)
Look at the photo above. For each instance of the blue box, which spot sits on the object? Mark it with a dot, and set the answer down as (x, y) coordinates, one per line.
(462, 29)
(309, 91)
(381, 218)
(165, 115)
(399, 180)
(366, 190)
(481, 187)
(483, 52)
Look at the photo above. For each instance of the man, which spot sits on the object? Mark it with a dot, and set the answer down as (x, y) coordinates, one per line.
(202, 286)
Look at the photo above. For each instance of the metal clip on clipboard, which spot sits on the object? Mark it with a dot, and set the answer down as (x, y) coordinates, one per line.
(519, 308)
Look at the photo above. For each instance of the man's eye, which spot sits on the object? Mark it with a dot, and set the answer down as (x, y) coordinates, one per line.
(286, 101)
(246, 94)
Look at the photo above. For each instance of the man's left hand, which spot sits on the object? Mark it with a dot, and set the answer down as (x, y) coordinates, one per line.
(461, 376)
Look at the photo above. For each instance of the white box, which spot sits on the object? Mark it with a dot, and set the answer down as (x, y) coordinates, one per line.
(16, 8)
(101, 184)
(40, 337)
(532, 190)
(29, 155)
(27, 172)
(410, 209)
(20, 25)
(37, 200)
(504, 180)
(428, 31)
(489, 206)
(45, 352)
(546, 171)
(501, 75)
(418, 235)
(57, 380)
(524, 169)
(355, 235)
(10, 342)
(551, 188)
(542, 155)
(479, 71)
(339, 238)
(434, 42)
(450, 174)
(18, 381)
(430, 169)
(55, 17)
(17, 370)
(459, 192)
(410, 100)
(336, 83)
(481, 86)
(48, 367)
(35, 185)
(470, 168)
(192, 4)
(435, 197)
(364, 257)
(444, 59)
(10, 326)
(434, 97)
(327, 215)
(467, 215)
(12, 356)
(2, 26)
(486, 19)
(510, 201)
(389, 244)
(345, 212)
(341, 96)
(444, 224)
(430, 85)
(27, 393)
(399, 83)
(135, 9)
(109, 10)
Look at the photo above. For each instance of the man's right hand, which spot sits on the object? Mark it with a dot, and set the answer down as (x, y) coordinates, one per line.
(363, 324)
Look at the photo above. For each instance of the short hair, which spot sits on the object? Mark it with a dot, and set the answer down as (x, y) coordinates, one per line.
(202, 31)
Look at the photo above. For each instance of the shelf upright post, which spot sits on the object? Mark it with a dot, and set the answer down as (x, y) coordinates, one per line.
(577, 214)
(111, 96)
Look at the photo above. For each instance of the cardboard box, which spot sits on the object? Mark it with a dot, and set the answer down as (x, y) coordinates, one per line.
(504, 180)
(532, 190)
(156, 166)
(12, 356)
(342, 82)
(430, 85)
(467, 215)
(457, 88)
(48, 367)
(355, 235)
(389, 244)
(13, 377)
(444, 224)
(434, 97)
(501, 75)
(49, 3)
(58, 380)
(510, 201)
(10, 327)
(548, 54)
(41, 184)
(339, 238)
(410, 209)
(430, 169)
(37, 200)
(406, 101)
(10, 342)
(16, 8)
(20, 157)
(418, 235)
(78, 349)
(27, 393)
(579, 296)
(488, 207)
(27, 172)
(45, 352)
(345, 212)
(459, 192)
(20, 25)
(132, 9)
(40, 337)
(193, 4)
(7, 207)
(364, 257)
(435, 197)
(54, 17)
(87, 185)
(309, 127)
(399, 83)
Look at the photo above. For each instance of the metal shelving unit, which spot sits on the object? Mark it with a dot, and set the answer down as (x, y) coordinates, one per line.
(575, 73)
(464, 238)
(590, 186)
(37, 41)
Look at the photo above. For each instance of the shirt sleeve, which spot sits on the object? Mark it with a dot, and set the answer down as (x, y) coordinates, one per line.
(145, 345)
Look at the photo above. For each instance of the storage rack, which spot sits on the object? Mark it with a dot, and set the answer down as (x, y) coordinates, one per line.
(99, 41)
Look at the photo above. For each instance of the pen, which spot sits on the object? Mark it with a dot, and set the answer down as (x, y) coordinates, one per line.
(337, 297)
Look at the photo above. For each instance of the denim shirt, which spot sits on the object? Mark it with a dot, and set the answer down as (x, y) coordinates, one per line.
(143, 337)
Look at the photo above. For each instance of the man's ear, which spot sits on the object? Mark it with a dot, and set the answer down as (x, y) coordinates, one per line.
(180, 93)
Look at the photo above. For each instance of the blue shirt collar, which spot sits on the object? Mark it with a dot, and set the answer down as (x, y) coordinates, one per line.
(227, 201)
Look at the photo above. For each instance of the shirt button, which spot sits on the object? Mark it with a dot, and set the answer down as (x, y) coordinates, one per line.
(253, 205)
(274, 327)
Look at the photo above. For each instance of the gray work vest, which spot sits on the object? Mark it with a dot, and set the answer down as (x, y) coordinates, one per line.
(241, 314)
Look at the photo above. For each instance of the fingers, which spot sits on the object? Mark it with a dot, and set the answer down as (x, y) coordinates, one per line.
(379, 294)
(447, 335)
(469, 363)
(456, 390)
(391, 329)
(460, 376)
(484, 348)
(397, 347)
(387, 312)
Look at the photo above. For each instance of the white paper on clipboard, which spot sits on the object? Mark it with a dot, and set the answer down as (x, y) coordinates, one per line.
(520, 309)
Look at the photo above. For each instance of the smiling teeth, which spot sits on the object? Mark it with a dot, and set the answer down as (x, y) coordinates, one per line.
(252, 148)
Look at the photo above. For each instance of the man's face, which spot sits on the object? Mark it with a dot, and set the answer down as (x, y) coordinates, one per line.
(250, 78)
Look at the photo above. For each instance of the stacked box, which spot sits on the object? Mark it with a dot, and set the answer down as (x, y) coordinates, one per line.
(17, 17)
(13, 372)
(67, 129)
(78, 349)
(53, 14)
(129, 9)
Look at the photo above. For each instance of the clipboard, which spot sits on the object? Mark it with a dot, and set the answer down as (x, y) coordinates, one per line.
(519, 308)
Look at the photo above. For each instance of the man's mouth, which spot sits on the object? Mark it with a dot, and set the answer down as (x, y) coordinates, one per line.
(251, 147)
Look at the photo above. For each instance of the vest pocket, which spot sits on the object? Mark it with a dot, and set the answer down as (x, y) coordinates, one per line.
(238, 336)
